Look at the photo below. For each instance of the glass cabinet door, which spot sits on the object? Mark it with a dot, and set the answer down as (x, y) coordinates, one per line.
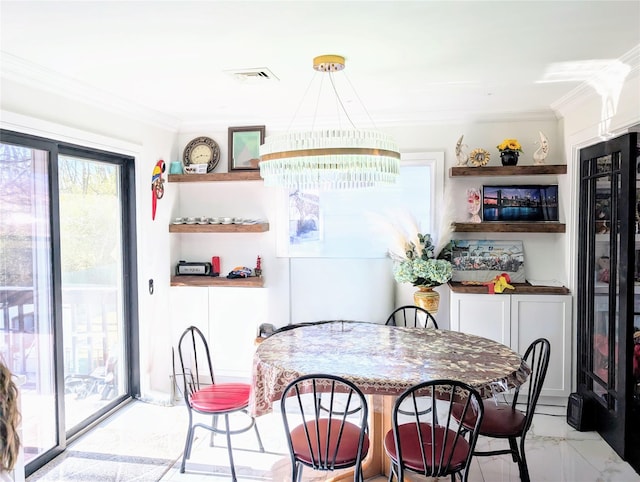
(608, 370)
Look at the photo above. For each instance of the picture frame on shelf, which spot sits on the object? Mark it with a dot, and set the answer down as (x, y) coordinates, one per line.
(244, 147)
(512, 203)
(481, 260)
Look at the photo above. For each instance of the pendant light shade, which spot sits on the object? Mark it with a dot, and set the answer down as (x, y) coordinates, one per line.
(329, 158)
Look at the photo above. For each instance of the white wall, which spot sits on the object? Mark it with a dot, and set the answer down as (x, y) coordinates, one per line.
(158, 251)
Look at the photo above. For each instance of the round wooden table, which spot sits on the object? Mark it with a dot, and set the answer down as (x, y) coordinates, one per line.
(381, 360)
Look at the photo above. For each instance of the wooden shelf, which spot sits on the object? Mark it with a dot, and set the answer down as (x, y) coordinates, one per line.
(505, 227)
(219, 228)
(251, 282)
(490, 171)
(217, 177)
(519, 289)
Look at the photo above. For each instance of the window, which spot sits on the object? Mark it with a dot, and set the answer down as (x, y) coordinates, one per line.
(359, 223)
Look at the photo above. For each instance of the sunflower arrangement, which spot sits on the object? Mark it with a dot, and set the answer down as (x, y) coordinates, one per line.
(509, 144)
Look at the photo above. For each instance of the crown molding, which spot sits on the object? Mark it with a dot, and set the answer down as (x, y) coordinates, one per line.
(51, 130)
(585, 92)
(38, 77)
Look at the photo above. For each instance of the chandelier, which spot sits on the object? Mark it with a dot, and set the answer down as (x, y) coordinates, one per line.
(330, 158)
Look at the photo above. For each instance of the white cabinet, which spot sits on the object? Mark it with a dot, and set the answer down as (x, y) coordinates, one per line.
(229, 317)
(545, 316)
(483, 315)
(517, 320)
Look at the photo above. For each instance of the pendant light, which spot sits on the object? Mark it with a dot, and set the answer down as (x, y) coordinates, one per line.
(340, 158)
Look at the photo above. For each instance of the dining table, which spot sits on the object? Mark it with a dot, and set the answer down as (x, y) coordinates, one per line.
(382, 361)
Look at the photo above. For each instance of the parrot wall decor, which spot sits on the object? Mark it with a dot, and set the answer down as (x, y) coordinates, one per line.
(157, 186)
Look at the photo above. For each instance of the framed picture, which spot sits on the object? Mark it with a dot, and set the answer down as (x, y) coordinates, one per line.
(304, 217)
(520, 203)
(244, 147)
(481, 260)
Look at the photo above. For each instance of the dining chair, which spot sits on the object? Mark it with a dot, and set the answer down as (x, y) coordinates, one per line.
(203, 396)
(505, 420)
(432, 443)
(328, 438)
(412, 316)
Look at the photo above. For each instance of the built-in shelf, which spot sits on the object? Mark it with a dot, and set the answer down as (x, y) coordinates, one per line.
(217, 177)
(507, 170)
(219, 228)
(506, 227)
(251, 282)
(519, 289)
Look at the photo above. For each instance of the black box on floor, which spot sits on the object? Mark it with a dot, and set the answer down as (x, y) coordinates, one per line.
(579, 416)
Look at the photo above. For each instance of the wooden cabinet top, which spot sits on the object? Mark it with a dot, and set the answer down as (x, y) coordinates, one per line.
(205, 281)
(519, 289)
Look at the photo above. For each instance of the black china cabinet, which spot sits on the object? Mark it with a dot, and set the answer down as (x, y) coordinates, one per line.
(609, 292)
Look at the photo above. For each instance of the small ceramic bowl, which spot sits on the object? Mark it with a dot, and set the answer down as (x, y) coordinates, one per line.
(226, 220)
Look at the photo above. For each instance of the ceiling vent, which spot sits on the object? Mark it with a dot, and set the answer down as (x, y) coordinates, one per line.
(258, 74)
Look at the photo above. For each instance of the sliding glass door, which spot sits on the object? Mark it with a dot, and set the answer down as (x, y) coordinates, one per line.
(26, 298)
(91, 250)
(66, 300)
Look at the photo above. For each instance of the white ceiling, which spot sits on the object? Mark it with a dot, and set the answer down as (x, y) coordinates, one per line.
(408, 61)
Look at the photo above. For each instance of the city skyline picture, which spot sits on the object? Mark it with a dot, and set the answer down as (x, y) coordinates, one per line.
(512, 203)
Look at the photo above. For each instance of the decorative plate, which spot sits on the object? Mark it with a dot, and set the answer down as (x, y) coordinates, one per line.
(479, 157)
(202, 150)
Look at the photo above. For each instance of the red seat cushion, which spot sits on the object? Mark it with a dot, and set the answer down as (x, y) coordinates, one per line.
(221, 397)
(412, 455)
(500, 420)
(347, 451)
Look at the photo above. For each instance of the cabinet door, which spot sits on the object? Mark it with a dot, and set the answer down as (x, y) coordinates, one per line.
(482, 315)
(234, 317)
(545, 316)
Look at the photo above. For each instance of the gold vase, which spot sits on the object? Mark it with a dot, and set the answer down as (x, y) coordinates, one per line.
(427, 298)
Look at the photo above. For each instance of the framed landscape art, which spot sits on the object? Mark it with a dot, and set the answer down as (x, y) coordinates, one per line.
(535, 202)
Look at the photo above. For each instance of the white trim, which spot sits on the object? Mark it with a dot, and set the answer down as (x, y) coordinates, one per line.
(585, 92)
(435, 160)
(50, 130)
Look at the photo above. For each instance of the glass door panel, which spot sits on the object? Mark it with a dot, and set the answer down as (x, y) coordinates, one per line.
(606, 297)
(26, 315)
(92, 290)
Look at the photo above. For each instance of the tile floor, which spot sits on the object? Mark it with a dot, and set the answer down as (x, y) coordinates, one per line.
(556, 452)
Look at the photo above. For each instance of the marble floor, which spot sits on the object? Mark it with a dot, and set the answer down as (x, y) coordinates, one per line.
(147, 432)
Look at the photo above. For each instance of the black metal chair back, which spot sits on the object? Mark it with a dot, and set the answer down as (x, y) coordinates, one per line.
(431, 442)
(506, 421)
(195, 361)
(537, 357)
(412, 316)
(325, 438)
